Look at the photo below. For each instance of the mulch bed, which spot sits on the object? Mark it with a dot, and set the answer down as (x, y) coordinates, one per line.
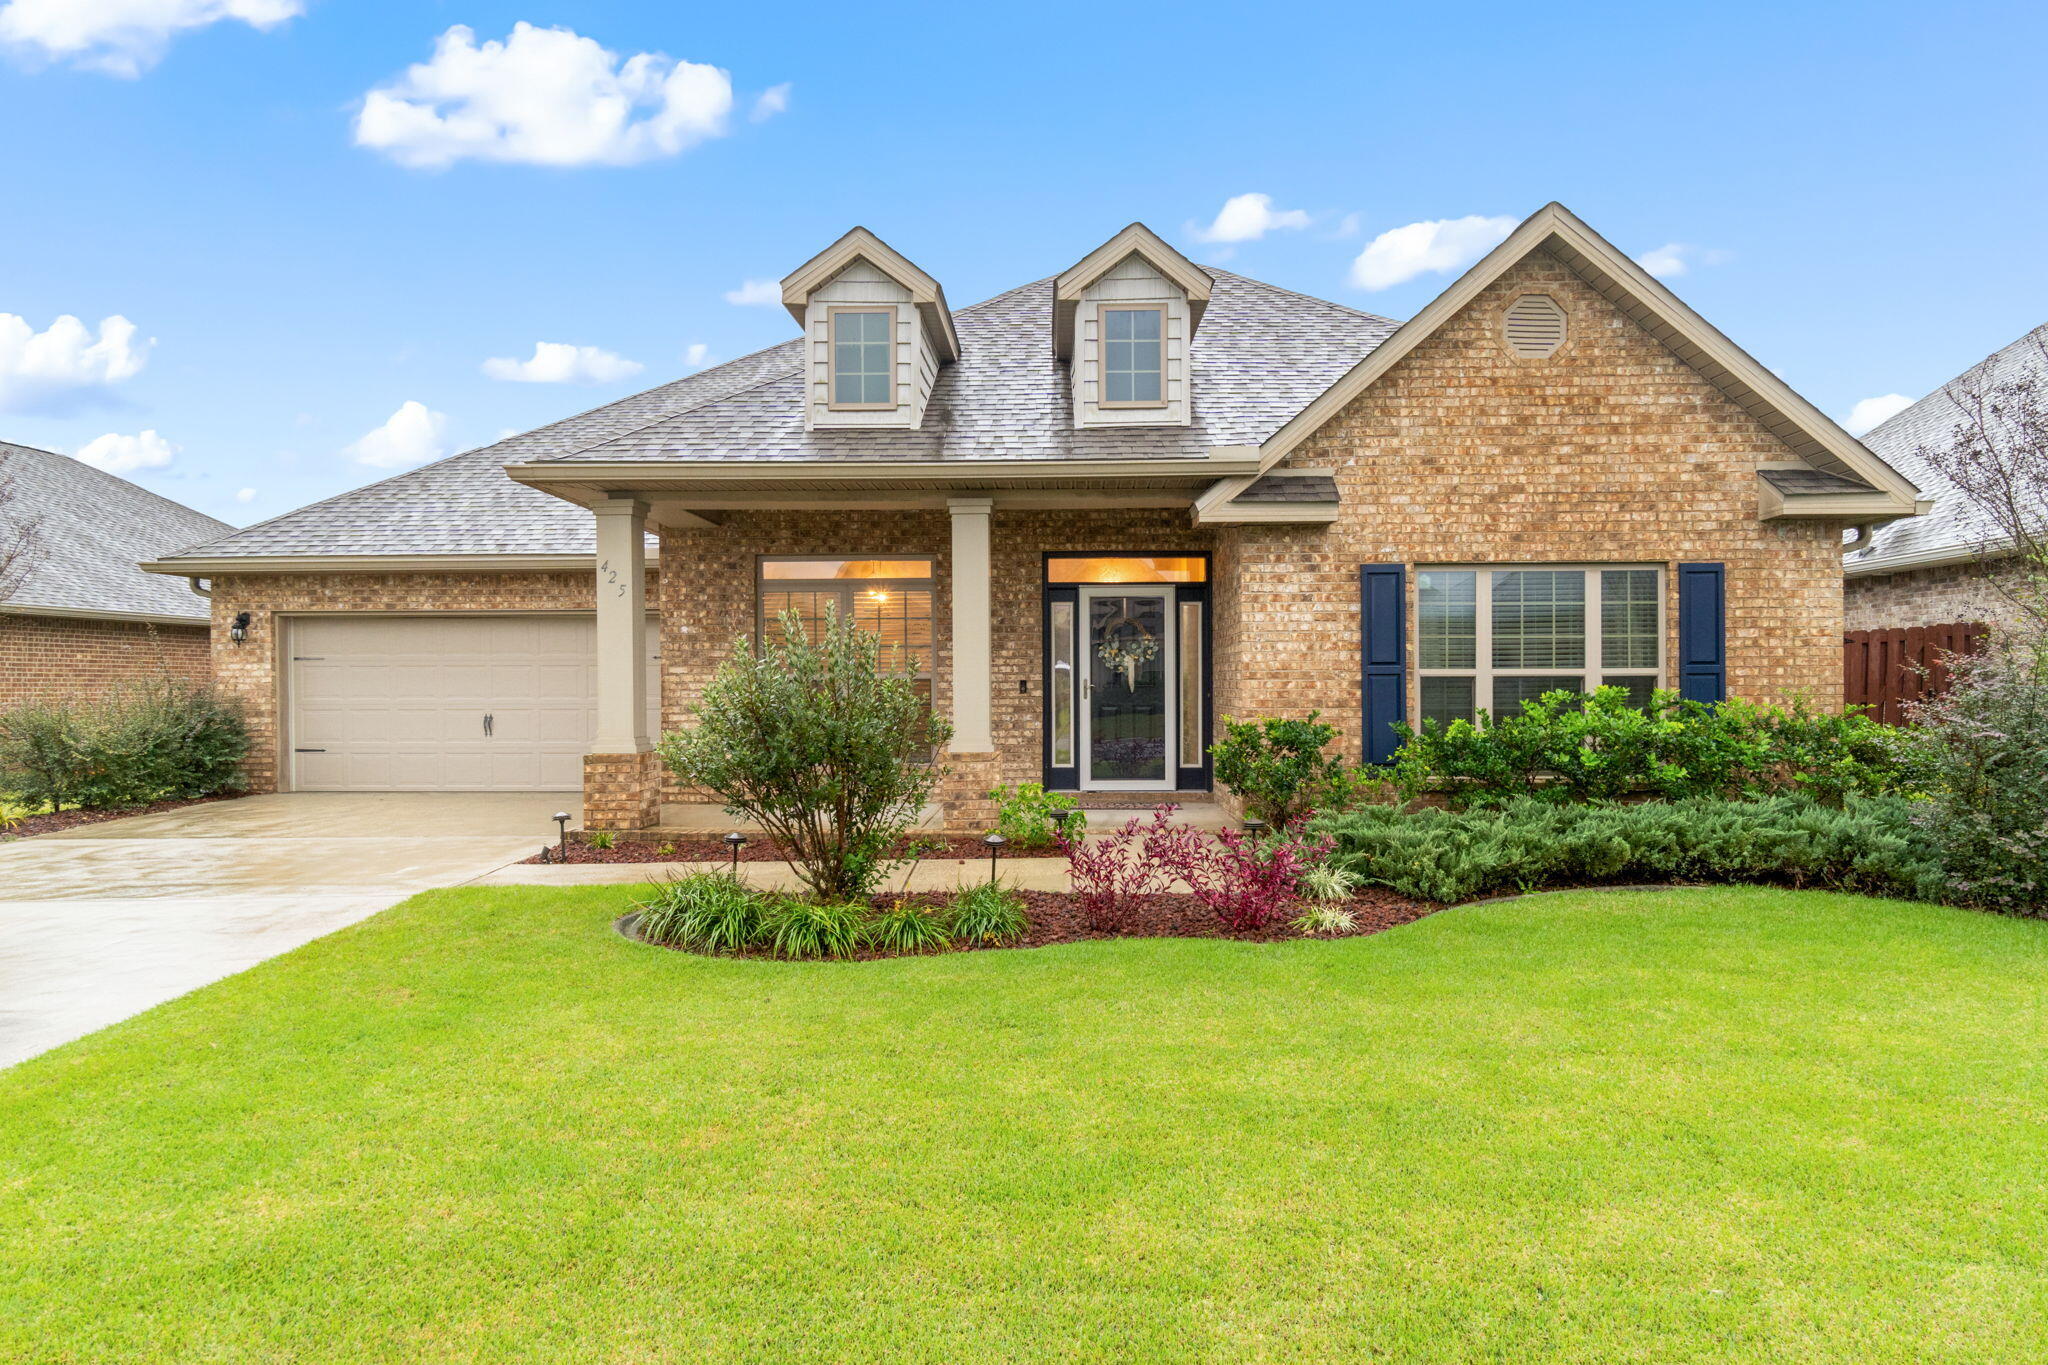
(52, 822)
(759, 848)
(1055, 917)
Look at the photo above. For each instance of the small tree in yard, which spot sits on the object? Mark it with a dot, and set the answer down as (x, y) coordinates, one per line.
(1996, 456)
(821, 744)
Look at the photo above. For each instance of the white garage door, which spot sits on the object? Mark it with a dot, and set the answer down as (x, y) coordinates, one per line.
(445, 703)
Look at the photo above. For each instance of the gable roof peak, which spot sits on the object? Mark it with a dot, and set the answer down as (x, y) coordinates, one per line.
(1134, 240)
(859, 244)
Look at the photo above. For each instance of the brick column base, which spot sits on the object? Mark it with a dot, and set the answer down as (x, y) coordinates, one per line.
(621, 791)
(962, 795)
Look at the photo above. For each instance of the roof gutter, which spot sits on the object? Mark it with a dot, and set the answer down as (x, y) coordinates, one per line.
(264, 564)
(627, 475)
(1938, 557)
(147, 618)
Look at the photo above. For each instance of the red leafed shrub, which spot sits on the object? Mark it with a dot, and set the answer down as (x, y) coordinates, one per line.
(1109, 873)
(1249, 883)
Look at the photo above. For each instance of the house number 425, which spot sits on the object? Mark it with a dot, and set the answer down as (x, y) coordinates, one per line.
(611, 576)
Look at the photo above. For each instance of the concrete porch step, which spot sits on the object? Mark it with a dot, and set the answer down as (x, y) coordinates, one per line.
(1140, 800)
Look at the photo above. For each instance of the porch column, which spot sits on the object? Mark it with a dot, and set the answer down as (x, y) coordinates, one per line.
(971, 628)
(621, 626)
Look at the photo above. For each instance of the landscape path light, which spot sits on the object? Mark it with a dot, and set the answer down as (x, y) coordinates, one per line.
(995, 844)
(735, 841)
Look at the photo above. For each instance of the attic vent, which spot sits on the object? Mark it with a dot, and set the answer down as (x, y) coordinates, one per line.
(1534, 326)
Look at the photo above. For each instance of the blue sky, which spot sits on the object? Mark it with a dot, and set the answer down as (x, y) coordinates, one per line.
(1857, 189)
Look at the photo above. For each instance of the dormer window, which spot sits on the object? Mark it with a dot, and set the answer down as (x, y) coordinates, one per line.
(1124, 320)
(1133, 357)
(863, 364)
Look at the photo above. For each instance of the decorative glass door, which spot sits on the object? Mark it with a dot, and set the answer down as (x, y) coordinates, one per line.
(1127, 702)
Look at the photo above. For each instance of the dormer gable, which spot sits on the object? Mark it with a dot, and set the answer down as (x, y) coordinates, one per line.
(876, 329)
(1123, 318)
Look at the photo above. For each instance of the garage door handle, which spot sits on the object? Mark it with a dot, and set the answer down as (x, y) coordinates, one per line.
(487, 725)
(309, 751)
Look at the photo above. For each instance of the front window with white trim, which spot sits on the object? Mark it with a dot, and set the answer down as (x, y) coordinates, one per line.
(1491, 639)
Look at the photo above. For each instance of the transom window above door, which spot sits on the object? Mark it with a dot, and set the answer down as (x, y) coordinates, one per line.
(1127, 569)
(1492, 639)
(863, 360)
(1133, 357)
(892, 598)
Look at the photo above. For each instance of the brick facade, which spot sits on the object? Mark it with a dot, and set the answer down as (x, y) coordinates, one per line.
(68, 656)
(253, 670)
(1612, 450)
(1925, 597)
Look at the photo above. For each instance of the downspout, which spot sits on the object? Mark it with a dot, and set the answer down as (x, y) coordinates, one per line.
(193, 581)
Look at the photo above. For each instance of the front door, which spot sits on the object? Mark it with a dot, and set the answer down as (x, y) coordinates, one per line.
(1127, 703)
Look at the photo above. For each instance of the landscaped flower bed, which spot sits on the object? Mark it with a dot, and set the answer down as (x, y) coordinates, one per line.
(1052, 917)
(759, 848)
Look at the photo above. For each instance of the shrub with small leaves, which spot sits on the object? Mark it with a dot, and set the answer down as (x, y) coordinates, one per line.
(793, 927)
(1276, 765)
(907, 926)
(1029, 816)
(988, 913)
(708, 911)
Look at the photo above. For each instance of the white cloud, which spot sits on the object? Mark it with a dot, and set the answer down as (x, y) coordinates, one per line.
(544, 97)
(755, 294)
(410, 436)
(1248, 217)
(1871, 411)
(46, 370)
(1676, 258)
(771, 102)
(125, 37)
(118, 454)
(245, 495)
(558, 362)
(697, 356)
(1439, 246)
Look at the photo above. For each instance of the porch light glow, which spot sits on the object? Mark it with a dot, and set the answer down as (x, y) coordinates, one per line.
(1128, 569)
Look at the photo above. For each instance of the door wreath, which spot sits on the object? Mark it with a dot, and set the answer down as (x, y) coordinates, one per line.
(1126, 651)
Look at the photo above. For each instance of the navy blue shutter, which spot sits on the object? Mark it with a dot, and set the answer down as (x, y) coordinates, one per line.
(1383, 654)
(1702, 632)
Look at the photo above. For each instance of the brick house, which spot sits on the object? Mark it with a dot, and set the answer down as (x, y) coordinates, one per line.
(81, 614)
(1095, 514)
(1931, 570)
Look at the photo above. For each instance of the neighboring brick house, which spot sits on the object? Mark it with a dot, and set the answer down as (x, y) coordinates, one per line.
(1932, 570)
(1095, 514)
(83, 614)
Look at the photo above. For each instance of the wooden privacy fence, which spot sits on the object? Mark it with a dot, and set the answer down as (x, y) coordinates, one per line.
(1885, 669)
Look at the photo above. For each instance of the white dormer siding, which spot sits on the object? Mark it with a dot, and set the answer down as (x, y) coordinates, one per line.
(861, 287)
(1132, 282)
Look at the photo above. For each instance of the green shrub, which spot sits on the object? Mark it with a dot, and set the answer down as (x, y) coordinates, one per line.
(602, 839)
(1329, 882)
(1277, 767)
(709, 911)
(1567, 747)
(156, 740)
(794, 927)
(1981, 751)
(1870, 843)
(1324, 919)
(1029, 816)
(988, 913)
(821, 745)
(907, 927)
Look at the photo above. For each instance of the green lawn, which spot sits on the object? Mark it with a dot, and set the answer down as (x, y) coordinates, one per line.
(1683, 1126)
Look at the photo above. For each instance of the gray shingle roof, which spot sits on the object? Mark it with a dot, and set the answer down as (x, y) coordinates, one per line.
(1953, 527)
(1291, 488)
(1798, 481)
(93, 530)
(1261, 355)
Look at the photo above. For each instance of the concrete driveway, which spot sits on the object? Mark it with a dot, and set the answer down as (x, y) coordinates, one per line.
(104, 921)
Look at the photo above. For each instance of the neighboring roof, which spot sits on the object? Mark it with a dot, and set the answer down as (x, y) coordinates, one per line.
(1954, 532)
(1808, 433)
(93, 530)
(1262, 353)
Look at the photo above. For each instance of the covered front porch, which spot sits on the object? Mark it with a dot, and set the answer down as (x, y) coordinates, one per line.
(1069, 633)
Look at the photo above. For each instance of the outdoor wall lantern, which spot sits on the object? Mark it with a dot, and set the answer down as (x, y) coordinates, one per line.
(995, 844)
(735, 841)
(238, 629)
